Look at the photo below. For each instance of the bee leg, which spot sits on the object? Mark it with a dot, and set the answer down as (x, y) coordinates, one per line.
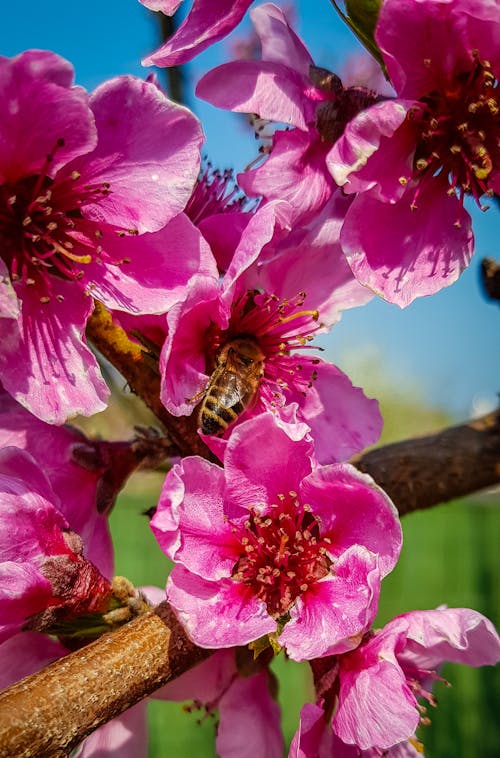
(196, 398)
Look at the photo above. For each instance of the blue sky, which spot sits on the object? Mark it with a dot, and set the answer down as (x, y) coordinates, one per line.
(447, 344)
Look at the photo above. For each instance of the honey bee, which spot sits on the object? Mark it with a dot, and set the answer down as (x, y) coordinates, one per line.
(233, 386)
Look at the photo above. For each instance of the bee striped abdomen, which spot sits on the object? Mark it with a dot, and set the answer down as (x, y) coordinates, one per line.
(233, 385)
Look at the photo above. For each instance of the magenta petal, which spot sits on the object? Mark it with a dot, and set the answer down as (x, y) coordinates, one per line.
(148, 153)
(46, 365)
(9, 304)
(342, 419)
(376, 708)
(314, 738)
(354, 511)
(294, 171)
(222, 614)
(278, 41)
(262, 461)
(36, 112)
(158, 268)
(204, 25)
(271, 90)
(403, 252)
(190, 522)
(249, 720)
(458, 635)
(333, 614)
(125, 736)
(375, 152)
(23, 592)
(25, 654)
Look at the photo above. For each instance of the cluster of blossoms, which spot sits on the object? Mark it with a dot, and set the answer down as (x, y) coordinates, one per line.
(282, 544)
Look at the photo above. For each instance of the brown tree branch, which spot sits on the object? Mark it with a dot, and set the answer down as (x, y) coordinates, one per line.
(50, 712)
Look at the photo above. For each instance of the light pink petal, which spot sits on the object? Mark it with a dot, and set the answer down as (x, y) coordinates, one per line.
(148, 151)
(313, 738)
(217, 614)
(24, 477)
(204, 25)
(342, 419)
(190, 522)
(294, 171)
(332, 615)
(125, 736)
(278, 41)
(262, 461)
(205, 682)
(158, 268)
(182, 360)
(458, 635)
(36, 112)
(269, 222)
(25, 654)
(168, 7)
(354, 511)
(327, 279)
(23, 592)
(271, 90)
(376, 707)
(402, 252)
(45, 363)
(249, 720)
(375, 152)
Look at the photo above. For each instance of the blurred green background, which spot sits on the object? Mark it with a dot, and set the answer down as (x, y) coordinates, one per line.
(450, 556)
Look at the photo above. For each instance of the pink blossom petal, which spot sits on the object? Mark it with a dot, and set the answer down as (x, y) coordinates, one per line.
(334, 612)
(327, 279)
(204, 25)
(148, 152)
(158, 268)
(9, 304)
(25, 654)
(402, 252)
(376, 707)
(223, 232)
(249, 720)
(342, 419)
(375, 152)
(45, 363)
(458, 635)
(182, 360)
(271, 90)
(125, 736)
(294, 171)
(354, 510)
(278, 41)
(314, 738)
(23, 592)
(222, 614)
(36, 113)
(257, 471)
(205, 682)
(168, 7)
(190, 523)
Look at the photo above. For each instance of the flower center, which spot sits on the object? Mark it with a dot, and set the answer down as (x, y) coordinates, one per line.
(458, 131)
(216, 192)
(282, 553)
(42, 230)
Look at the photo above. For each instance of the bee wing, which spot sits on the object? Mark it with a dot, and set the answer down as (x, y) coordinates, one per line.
(233, 389)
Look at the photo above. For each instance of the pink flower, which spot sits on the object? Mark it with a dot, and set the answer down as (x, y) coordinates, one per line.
(44, 576)
(413, 160)
(271, 544)
(286, 86)
(88, 186)
(205, 24)
(373, 689)
(268, 303)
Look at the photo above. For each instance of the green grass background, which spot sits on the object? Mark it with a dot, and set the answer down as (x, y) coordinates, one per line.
(451, 555)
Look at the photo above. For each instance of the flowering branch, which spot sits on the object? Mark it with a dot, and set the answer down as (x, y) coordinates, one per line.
(78, 693)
